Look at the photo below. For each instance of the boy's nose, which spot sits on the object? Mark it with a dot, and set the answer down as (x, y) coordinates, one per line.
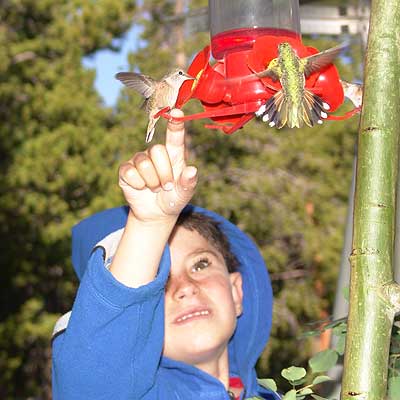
(185, 287)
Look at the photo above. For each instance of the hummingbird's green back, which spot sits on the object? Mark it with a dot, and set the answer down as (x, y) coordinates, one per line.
(293, 81)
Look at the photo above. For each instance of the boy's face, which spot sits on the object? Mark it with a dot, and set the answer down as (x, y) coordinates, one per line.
(202, 300)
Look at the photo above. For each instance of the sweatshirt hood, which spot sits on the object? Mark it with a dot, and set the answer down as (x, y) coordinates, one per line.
(253, 326)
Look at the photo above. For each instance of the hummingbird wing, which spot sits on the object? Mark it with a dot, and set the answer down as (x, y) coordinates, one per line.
(273, 71)
(139, 82)
(268, 72)
(318, 61)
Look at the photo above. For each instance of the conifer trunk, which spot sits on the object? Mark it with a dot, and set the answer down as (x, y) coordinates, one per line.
(374, 297)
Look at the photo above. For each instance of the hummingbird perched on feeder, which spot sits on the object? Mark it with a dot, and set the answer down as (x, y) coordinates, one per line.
(295, 105)
(353, 91)
(158, 94)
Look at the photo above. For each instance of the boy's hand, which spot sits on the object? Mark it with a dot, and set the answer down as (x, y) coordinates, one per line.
(157, 183)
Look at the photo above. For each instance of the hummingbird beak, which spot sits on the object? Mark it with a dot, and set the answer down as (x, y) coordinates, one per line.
(188, 77)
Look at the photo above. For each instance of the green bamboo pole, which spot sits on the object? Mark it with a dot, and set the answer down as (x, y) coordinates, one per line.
(374, 297)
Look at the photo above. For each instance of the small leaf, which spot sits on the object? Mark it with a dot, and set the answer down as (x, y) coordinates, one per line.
(340, 345)
(298, 382)
(394, 388)
(320, 379)
(323, 361)
(293, 373)
(290, 395)
(316, 397)
(340, 330)
(268, 384)
(305, 391)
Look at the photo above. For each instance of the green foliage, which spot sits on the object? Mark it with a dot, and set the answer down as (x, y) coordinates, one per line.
(290, 395)
(394, 388)
(323, 361)
(298, 377)
(321, 379)
(268, 383)
(54, 164)
(293, 374)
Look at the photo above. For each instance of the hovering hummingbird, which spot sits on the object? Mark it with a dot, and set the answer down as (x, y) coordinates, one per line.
(294, 104)
(158, 94)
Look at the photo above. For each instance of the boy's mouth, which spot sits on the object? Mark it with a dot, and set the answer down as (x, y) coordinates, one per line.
(191, 315)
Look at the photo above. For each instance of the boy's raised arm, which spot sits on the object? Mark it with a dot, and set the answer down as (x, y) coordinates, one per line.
(114, 339)
(157, 185)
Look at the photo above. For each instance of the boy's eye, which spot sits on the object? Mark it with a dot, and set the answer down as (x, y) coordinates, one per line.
(200, 265)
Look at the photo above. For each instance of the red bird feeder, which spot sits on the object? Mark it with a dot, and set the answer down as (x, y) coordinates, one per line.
(244, 38)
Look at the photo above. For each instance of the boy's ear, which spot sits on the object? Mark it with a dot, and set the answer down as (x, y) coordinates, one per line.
(237, 291)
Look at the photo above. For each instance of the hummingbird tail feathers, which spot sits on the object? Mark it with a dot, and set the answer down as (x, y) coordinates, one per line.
(313, 109)
(151, 127)
(278, 112)
(275, 110)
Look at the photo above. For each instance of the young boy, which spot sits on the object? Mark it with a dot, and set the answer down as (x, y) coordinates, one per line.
(174, 302)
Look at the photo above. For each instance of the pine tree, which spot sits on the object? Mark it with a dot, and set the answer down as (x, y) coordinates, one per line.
(54, 157)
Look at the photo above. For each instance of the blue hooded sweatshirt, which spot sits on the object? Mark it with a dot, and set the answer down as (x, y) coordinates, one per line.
(110, 346)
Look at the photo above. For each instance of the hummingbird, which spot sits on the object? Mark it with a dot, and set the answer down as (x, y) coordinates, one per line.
(158, 94)
(295, 105)
(353, 91)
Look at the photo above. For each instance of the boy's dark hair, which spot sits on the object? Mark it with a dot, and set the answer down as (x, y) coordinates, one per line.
(210, 230)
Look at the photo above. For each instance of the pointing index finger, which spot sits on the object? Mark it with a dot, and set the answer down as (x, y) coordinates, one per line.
(175, 137)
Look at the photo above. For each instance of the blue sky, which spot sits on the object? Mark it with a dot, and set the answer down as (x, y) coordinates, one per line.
(107, 63)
